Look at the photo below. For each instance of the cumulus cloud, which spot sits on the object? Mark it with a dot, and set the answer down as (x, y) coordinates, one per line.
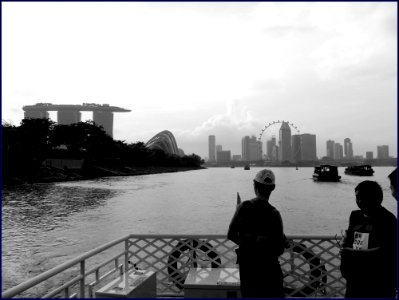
(228, 127)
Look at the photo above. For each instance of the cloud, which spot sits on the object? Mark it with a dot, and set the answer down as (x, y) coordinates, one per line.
(228, 127)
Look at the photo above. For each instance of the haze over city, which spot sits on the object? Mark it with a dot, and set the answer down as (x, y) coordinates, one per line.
(202, 68)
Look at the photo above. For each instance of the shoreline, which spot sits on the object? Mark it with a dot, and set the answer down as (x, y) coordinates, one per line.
(52, 175)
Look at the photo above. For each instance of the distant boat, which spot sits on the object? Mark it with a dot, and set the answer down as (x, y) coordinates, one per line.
(233, 166)
(247, 167)
(362, 170)
(326, 173)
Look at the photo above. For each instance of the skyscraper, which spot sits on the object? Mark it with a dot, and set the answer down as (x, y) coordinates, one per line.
(212, 148)
(251, 148)
(338, 151)
(304, 147)
(383, 152)
(330, 149)
(285, 142)
(369, 155)
(255, 150)
(308, 147)
(223, 156)
(245, 148)
(296, 147)
(348, 150)
(270, 147)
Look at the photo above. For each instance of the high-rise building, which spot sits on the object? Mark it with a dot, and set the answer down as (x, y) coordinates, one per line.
(348, 149)
(296, 147)
(218, 148)
(330, 149)
(269, 148)
(369, 155)
(383, 152)
(223, 156)
(308, 147)
(212, 148)
(304, 147)
(275, 156)
(255, 150)
(285, 142)
(246, 147)
(338, 151)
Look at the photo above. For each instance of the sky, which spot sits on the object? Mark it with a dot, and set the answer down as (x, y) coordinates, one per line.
(210, 68)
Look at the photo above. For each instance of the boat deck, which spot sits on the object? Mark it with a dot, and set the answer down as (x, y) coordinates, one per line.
(310, 265)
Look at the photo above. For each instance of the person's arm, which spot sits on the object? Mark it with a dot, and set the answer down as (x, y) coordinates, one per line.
(233, 233)
(349, 233)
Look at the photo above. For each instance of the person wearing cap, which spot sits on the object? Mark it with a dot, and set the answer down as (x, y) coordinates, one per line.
(369, 249)
(257, 228)
(393, 178)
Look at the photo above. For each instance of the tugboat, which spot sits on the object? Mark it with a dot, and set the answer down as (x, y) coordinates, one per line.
(362, 170)
(326, 173)
(247, 167)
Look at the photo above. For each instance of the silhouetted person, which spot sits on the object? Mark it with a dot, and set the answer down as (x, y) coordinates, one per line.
(393, 178)
(257, 228)
(368, 256)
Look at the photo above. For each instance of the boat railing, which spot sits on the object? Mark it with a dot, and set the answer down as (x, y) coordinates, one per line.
(310, 265)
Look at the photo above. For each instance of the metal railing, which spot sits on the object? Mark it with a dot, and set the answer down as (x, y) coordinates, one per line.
(310, 265)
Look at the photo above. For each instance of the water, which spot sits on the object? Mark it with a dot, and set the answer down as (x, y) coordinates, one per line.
(44, 225)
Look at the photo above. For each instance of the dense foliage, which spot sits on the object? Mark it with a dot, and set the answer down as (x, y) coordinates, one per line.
(25, 147)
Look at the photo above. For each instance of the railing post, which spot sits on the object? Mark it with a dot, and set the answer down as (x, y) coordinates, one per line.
(82, 281)
(126, 263)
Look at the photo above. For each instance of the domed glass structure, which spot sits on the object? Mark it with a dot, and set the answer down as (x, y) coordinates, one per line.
(164, 141)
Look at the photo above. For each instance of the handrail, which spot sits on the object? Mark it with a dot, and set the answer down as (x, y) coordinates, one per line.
(46, 275)
(20, 288)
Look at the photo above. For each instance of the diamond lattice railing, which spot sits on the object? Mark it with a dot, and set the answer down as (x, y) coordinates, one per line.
(310, 264)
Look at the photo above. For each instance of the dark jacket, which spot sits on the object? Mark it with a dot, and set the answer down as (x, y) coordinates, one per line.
(371, 272)
(258, 227)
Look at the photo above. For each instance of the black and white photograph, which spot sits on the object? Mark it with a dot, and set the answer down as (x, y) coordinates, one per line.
(199, 149)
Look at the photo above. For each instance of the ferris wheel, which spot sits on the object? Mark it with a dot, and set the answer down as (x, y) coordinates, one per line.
(273, 125)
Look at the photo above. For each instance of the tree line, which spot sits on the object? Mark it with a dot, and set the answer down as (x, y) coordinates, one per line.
(25, 147)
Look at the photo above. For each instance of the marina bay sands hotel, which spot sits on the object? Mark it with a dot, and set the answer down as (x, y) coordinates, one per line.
(103, 115)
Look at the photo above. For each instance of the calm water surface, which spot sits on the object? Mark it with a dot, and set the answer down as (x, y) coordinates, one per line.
(44, 225)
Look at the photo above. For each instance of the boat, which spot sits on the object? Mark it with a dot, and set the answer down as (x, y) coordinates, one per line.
(361, 170)
(247, 167)
(118, 269)
(233, 166)
(326, 173)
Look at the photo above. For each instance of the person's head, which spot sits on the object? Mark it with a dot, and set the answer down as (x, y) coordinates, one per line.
(264, 183)
(368, 195)
(393, 178)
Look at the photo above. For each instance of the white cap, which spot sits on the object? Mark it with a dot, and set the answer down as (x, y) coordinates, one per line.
(265, 177)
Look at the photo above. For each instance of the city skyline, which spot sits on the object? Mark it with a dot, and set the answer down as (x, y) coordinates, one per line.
(333, 150)
(202, 68)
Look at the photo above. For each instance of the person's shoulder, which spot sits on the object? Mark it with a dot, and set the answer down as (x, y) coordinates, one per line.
(386, 214)
(246, 203)
(356, 214)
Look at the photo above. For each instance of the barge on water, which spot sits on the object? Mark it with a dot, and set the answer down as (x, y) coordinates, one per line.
(194, 266)
(326, 173)
(362, 170)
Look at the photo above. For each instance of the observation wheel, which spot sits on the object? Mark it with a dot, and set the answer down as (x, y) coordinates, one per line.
(274, 126)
